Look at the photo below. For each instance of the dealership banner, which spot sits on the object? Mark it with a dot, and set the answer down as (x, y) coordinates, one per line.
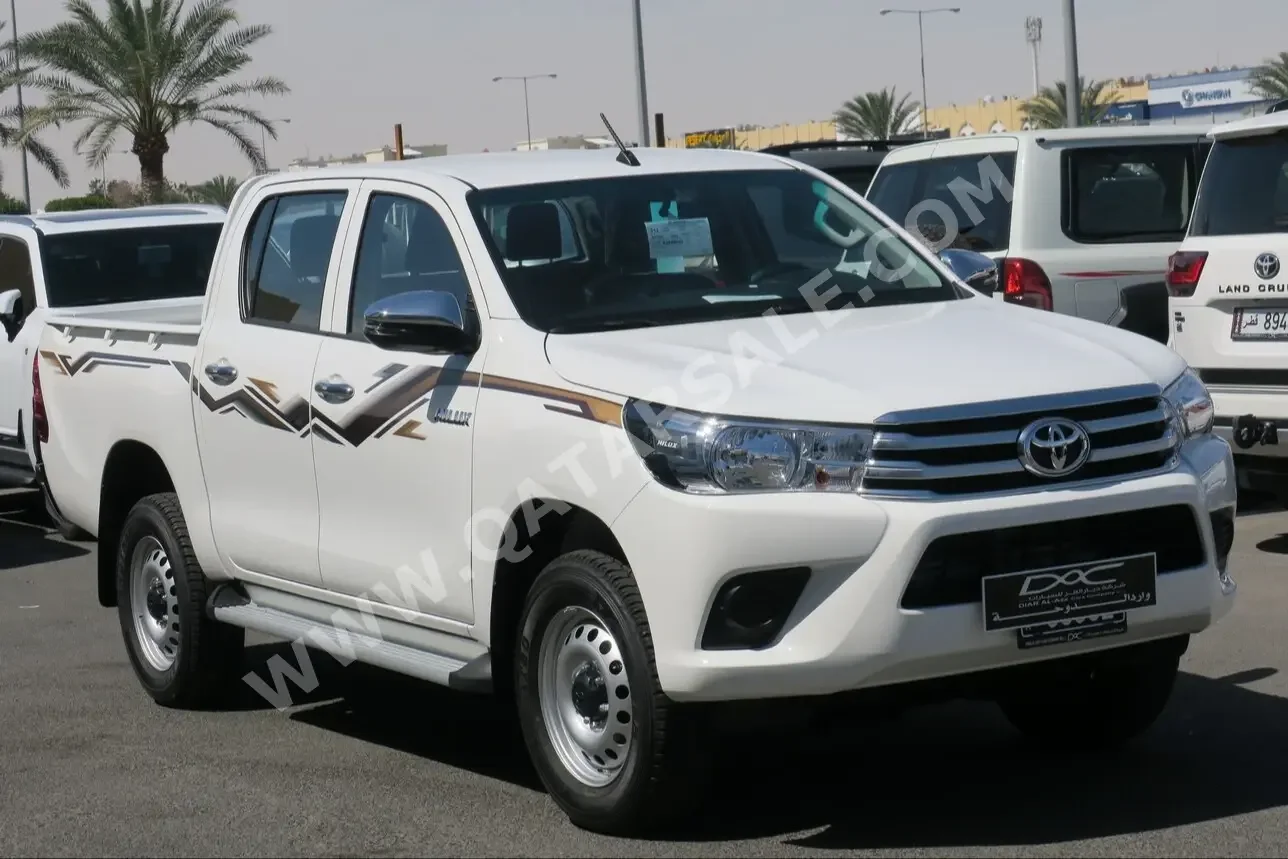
(1205, 96)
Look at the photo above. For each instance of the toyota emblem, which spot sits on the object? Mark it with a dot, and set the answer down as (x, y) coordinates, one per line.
(1266, 266)
(1054, 447)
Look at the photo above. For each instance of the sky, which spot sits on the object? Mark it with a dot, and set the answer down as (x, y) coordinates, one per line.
(357, 67)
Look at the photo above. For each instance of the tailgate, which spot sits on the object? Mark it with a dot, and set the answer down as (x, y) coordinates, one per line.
(1237, 317)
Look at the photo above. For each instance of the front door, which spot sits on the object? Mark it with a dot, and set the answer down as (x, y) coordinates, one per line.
(392, 432)
(254, 372)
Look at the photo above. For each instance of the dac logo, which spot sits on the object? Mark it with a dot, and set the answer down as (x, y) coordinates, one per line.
(1040, 583)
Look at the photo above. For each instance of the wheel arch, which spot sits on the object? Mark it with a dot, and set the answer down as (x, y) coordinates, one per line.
(560, 527)
(132, 471)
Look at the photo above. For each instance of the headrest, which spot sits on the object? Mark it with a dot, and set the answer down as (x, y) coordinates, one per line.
(311, 241)
(533, 232)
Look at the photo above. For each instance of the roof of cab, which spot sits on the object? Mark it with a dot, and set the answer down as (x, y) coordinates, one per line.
(119, 219)
(507, 169)
(1267, 123)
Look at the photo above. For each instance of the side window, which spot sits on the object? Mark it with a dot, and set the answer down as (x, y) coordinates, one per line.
(1129, 193)
(15, 272)
(290, 247)
(405, 247)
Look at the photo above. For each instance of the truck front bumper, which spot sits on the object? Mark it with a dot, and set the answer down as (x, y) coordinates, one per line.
(848, 628)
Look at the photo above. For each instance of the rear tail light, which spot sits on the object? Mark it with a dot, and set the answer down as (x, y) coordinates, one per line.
(1024, 282)
(39, 420)
(1184, 268)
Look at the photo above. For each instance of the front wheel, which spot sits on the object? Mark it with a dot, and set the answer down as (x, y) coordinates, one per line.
(613, 751)
(182, 657)
(1098, 702)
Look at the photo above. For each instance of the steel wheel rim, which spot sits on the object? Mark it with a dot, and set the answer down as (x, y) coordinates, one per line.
(154, 604)
(585, 696)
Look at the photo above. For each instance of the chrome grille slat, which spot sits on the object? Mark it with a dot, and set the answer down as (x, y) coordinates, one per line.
(947, 452)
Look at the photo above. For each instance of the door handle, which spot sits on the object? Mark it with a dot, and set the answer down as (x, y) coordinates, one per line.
(334, 390)
(221, 372)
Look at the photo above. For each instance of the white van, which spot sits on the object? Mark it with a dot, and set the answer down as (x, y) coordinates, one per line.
(1081, 220)
(1229, 294)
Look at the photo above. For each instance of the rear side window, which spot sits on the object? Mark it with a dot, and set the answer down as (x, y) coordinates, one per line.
(1244, 189)
(1124, 194)
(290, 247)
(959, 202)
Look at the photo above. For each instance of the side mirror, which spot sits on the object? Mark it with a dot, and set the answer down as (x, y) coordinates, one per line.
(974, 269)
(11, 312)
(424, 321)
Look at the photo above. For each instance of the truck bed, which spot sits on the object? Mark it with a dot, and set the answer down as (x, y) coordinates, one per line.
(107, 378)
(174, 311)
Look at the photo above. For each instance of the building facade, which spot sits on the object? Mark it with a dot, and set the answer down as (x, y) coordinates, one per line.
(1209, 98)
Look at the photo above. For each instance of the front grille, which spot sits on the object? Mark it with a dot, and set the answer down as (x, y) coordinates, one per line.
(949, 572)
(967, 450)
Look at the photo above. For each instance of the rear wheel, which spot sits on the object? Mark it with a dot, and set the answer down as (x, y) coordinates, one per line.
(1095, 703)
(613, 751)
(182, 657)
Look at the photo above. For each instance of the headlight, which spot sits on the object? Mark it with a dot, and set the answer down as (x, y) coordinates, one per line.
(714, 455)
(1189, 398)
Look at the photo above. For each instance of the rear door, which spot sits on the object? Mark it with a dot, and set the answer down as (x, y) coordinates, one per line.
(1232, 320)
(15, 348)
(254, 377)
(1124, 208)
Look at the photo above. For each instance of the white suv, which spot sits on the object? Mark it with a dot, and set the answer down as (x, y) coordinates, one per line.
(1080, 220)
(1229, 294)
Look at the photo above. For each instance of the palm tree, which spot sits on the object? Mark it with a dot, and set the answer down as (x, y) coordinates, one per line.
(10, 128)
(1047, 108)
(1270, 79)
(877, 115)
(219, 190)
(144, 71)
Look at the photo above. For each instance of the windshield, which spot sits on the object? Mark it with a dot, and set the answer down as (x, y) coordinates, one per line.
(960, 202)
(1244, 189)
(597, 254)
(137, 264)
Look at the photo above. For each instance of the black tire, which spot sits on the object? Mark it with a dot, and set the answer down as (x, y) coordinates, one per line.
(208, 653)
(1095, 703)
(662, 775)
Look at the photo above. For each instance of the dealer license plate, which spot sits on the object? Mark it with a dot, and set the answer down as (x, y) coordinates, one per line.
(1069, 631)
(1069, 592)
(1254, 323)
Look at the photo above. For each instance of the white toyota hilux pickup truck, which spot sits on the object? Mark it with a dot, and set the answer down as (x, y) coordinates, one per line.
(147, 262)
(601, 432)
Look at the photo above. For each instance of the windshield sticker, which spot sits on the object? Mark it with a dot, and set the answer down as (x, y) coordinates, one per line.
(681, 237)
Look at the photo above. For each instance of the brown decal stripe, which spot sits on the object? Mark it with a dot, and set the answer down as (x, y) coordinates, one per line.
(88, 361)
(578, 405)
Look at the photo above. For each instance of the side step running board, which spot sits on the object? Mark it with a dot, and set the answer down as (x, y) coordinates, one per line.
(472, 676)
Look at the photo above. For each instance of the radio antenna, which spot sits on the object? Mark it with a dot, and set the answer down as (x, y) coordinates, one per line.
(624, 155)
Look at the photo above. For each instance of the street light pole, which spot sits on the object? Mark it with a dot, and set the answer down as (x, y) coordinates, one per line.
(921, 38)
(263, 140)
(641, 84)
(1072, 86)
(26, 178)
(527, 114)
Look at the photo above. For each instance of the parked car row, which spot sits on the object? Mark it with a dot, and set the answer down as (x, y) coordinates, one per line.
(624, 437)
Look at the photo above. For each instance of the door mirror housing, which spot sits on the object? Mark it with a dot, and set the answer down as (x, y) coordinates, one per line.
(425, 321)
(974, 269)
(11, 312)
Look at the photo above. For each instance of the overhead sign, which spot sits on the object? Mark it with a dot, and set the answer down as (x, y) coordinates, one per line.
(1206, 96)
(720, 138)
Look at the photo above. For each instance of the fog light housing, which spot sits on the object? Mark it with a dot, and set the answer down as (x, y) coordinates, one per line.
(1222, 537)
(750, 609)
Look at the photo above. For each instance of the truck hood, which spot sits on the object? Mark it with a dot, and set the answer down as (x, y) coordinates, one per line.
(869, 362)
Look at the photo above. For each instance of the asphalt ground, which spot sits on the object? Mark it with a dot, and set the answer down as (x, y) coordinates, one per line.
(376, 765)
